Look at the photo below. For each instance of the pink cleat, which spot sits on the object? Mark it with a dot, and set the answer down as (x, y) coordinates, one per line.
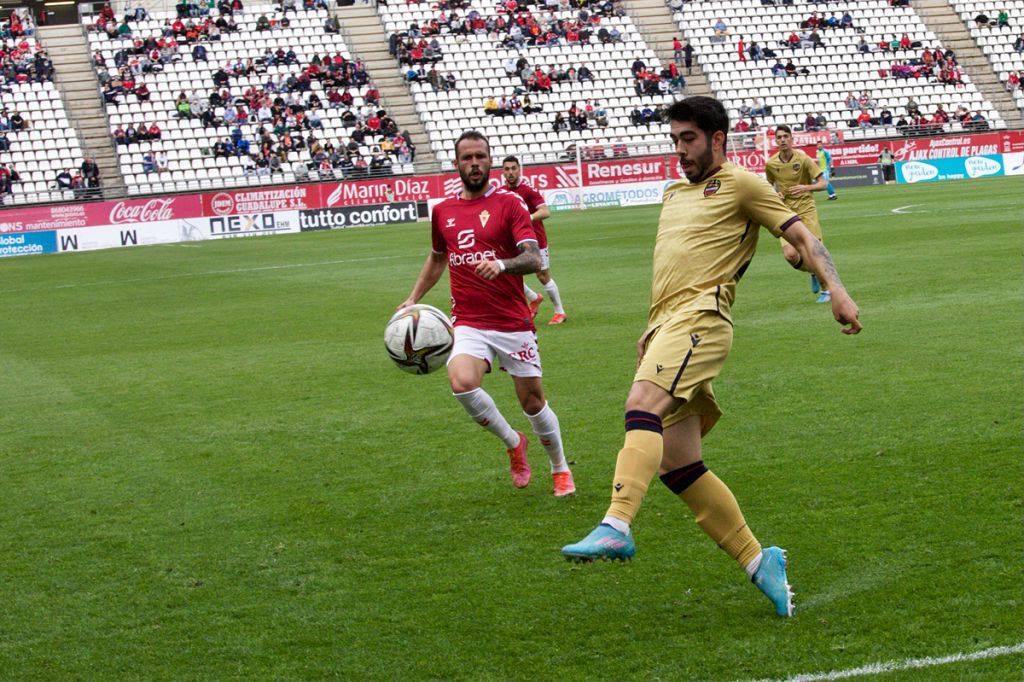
(559, 318)
(564, 485)
(518, 466)
(535, 304)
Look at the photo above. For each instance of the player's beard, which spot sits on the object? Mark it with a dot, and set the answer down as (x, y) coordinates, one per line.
(475, 185)
(701, 165)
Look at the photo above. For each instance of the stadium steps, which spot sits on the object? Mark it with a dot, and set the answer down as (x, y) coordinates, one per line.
(76, 79)
(364, 35)
(653, 19)
(940, 18)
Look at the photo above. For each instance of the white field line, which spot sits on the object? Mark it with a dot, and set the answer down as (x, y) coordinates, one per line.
(205, 273)
(906, 664)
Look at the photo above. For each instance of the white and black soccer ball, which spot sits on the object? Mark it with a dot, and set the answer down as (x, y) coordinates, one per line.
(419, 339)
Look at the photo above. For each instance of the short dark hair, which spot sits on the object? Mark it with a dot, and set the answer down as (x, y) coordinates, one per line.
(706, 112)
(783, 128)
(471, 135)
(511, 158)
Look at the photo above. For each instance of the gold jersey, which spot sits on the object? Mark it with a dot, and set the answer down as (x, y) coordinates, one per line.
(707, 236)
(799, 170)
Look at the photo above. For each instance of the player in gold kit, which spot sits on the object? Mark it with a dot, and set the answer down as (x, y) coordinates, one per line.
(794, 176)
(707, 235)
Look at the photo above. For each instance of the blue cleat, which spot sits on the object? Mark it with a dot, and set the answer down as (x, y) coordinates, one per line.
(771, 579)
(825, 297)
(604, 542)
(815, 284)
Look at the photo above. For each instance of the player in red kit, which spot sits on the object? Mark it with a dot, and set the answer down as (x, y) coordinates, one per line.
(485, 238)
(539, 212)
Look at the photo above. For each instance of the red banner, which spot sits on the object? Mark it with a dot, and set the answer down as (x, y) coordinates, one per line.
(917, 149)
(124, 212)
(646, 169)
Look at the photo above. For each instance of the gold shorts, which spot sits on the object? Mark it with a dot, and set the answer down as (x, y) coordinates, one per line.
(683, 356)
(810, 219)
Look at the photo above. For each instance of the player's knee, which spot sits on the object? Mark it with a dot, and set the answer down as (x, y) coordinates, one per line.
(544, 276)
(462, 383)
(792, 256)
(532, 403)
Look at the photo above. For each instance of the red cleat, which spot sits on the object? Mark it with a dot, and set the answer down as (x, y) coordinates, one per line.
(564, 485)
(518, 466)
(535, 304)
(559, 318)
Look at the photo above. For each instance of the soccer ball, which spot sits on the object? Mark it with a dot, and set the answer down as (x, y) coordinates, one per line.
(419, 338)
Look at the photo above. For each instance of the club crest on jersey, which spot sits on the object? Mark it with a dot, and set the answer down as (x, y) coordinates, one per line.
(712, 187)
(450, 223)
(796, 166)
(484, 217)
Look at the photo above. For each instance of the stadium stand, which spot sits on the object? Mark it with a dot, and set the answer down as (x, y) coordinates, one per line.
(536, 68)
(877, 54)
(996, 28)
(240, 96)
(40, 152)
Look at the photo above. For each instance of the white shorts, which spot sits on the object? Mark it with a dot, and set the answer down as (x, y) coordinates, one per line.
(545, 261)
(517, 352)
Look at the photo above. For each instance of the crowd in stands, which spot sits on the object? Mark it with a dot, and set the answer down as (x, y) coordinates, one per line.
(284, 113)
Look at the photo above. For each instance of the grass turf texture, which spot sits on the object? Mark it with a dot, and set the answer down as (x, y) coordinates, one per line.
(211, 470)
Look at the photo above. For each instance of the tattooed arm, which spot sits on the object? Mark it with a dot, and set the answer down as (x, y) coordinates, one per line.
(816, 257)
(526, 262)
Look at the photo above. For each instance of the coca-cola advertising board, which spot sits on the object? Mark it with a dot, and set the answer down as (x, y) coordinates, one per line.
(124, 212)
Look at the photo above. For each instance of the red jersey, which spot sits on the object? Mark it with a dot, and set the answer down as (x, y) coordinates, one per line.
(488, 228)
(533, 199)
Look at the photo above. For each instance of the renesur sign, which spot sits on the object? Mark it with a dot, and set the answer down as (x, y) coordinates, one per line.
(358, 216)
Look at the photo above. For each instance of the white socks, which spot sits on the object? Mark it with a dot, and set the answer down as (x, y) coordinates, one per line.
(754, 564)
(531, 295)
(480, 406)
(556, 300)
(617, 524)
(545, 425)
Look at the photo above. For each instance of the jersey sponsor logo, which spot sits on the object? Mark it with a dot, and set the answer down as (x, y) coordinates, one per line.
(712, 187)
(471, 258)
(485, 216)
(466, 239)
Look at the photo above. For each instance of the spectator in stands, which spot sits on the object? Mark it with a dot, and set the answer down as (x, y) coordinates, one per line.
(779, 70)
(863, 46)
(18, 122)
(148, 164)
(790, 68)
(64, 180)
(864, 119)
(821, 121)
(866, 101)
(161, 162)
(688, 57)
(721, 31)
(757, 108)
(5, 143)
(885, 117)
(1013, 80)
(810, 124)
(847, 20)
(912, 107)
(8, 176)
(91, 172)
(755, 51)
(1003, 19)
(982, 20)
(331, 26)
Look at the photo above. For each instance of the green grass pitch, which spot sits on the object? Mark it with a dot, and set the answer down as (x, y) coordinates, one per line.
(210, 470)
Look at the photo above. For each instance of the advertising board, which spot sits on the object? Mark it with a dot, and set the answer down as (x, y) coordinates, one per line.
(243, 225)
(858, 176)
(28, 243)
(358, 216)
(960, 168)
